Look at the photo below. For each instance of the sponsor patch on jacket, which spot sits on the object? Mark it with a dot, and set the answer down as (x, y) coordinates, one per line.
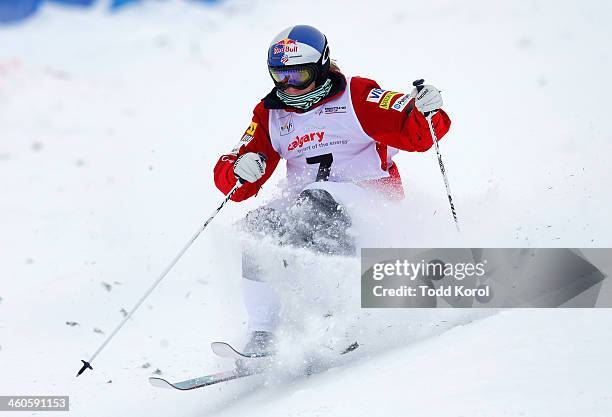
(286, 124)
(299, 141)
(375, 95)
(335, 109)
(251, 129)
(384, 103)
(401, 103)
(246, 138)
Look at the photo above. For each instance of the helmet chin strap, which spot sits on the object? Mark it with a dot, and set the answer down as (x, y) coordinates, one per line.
(307, 100)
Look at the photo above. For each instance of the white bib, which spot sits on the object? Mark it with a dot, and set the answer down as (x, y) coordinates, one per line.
(326, 143)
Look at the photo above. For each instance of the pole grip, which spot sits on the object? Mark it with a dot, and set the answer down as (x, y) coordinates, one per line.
(418, 84)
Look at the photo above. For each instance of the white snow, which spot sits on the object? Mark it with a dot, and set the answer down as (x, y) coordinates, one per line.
(110, 126)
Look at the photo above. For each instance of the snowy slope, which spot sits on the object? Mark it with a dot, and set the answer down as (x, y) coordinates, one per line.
(110, 127)
(534, 367)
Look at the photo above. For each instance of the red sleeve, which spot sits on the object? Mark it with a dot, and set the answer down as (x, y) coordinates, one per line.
(255, 139)
(389, 117)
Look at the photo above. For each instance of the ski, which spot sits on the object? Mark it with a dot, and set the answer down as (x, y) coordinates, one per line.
(203, 381)
(224, 350)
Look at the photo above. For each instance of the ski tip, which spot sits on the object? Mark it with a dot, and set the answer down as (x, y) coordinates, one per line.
(160, 382)
(225, 350)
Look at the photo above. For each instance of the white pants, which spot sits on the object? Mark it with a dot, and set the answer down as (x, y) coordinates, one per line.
(262, 302)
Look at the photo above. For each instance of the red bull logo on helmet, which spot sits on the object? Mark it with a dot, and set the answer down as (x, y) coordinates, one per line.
(285, 45)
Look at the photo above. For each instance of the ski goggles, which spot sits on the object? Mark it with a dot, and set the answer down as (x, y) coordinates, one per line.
(298, 77)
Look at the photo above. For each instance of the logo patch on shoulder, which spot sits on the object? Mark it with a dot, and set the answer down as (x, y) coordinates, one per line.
(375, 95)
(251, 129)
(384, 104)
(401, 103)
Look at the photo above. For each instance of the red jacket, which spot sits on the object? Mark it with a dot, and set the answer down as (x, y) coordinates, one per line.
(407, 130)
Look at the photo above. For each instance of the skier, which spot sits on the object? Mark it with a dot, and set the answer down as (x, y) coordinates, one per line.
(338, 136)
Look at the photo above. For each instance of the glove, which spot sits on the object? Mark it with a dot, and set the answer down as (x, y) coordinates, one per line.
(428, 99)
(250, 167)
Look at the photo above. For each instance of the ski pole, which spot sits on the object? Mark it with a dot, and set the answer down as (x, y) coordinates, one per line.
(428, 115)
(87, 364)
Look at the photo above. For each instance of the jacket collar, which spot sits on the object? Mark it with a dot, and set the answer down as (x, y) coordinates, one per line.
(271, 101)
